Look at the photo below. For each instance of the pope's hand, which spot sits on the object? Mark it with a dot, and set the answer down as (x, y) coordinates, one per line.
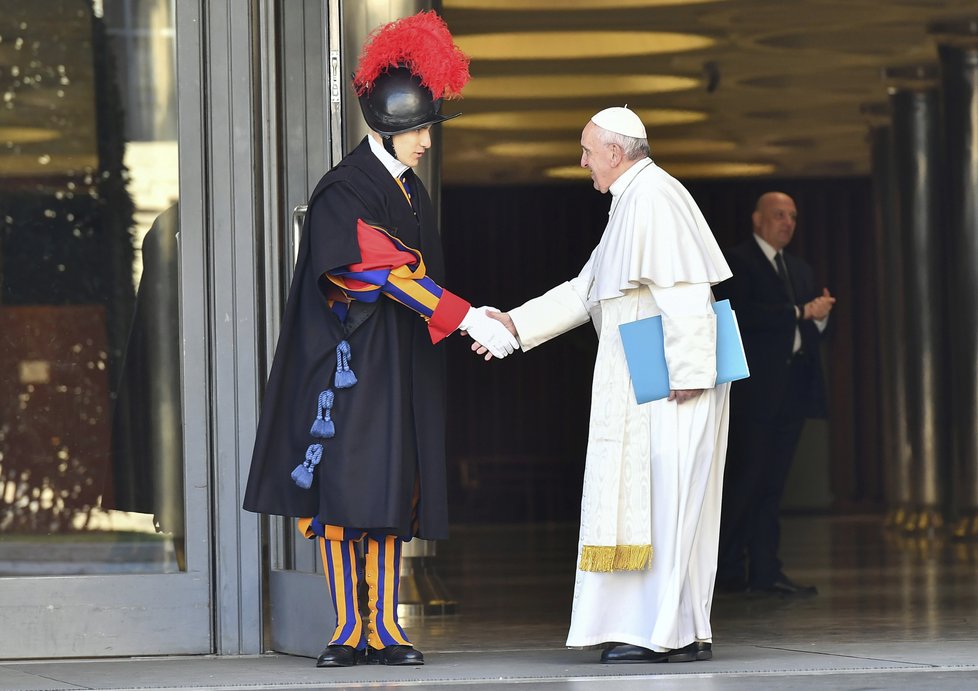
(488, 332)
(683, 395)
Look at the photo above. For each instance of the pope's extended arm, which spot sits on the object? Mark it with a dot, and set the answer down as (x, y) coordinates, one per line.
(557, 311)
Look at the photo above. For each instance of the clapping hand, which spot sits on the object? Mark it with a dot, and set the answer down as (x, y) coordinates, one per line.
(820, 307)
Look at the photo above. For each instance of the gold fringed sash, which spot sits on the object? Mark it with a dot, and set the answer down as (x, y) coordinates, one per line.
(619, 558)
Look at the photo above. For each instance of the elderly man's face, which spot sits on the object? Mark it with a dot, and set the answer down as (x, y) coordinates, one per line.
(775, 218)
(600, 158)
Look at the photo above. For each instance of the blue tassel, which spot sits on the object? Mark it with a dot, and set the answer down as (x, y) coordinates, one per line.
(345, 378)
(322, 426)
(323, 429)
(302, 475)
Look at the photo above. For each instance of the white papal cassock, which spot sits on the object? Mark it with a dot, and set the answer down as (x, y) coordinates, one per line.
(654, 472)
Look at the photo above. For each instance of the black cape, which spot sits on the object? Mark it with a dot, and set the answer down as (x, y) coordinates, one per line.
(390, 426)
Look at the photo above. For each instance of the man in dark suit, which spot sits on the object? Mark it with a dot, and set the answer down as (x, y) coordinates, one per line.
(781, 315)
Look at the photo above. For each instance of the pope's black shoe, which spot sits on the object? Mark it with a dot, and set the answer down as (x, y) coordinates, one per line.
(704, 651)
(338, 656)
(395, 655)
(624, 652)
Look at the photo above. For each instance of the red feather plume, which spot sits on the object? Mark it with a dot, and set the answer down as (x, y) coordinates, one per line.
(424, 45)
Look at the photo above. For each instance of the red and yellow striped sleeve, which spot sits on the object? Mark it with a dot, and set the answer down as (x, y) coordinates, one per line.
(389, 267)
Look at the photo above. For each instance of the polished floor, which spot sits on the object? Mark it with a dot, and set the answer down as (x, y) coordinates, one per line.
(892, 613)
(515, 587)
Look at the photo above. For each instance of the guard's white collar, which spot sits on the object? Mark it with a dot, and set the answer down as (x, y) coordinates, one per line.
(393, 166)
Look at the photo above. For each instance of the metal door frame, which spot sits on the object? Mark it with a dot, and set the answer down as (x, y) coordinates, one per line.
(227, 199)
(144, 614)
(306, 83)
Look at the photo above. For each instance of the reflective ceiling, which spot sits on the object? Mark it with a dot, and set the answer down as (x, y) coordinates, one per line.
(726, 87)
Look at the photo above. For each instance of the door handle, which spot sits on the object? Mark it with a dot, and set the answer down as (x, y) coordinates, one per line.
(298, 217)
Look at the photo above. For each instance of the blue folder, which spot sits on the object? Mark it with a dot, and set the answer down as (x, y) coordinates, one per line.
(646, 355)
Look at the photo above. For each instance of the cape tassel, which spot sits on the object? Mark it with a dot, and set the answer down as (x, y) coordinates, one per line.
(302, 475)
(322, 426)
(620, 558)
(345, 378)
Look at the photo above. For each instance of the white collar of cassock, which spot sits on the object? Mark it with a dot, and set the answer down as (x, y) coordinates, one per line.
(393, 166)
(621, 184)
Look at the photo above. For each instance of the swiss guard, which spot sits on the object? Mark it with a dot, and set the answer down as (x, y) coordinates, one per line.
(351, 438)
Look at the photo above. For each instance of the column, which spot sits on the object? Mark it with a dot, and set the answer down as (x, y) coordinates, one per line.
(915, 102)
(897, 457)
(958, 51)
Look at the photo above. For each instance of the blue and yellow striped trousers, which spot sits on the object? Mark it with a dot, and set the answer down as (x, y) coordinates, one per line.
(339, 550)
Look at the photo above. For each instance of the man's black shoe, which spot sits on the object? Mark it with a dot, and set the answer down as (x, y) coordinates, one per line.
(785, 587)
(704, 651)
(624, 652)
(338, 656)
(395, 655)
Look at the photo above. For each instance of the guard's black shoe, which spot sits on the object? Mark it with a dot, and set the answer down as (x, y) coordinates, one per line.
(338, 656)
(624, 652)
(395, 655)
(704, 651)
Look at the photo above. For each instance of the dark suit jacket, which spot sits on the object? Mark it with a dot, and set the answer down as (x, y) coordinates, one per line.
(767, 323)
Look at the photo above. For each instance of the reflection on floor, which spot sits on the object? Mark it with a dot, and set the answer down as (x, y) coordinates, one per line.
(891, 614)
(881, 596)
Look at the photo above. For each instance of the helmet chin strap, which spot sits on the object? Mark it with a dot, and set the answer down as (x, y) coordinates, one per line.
(388, 142)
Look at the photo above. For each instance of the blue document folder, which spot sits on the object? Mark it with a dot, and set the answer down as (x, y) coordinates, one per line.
(646, 355)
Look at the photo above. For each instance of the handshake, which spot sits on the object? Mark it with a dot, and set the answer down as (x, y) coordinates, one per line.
(494, 334)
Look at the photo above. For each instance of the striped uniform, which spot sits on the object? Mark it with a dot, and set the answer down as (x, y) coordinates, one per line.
(339, 549)
(391, 268)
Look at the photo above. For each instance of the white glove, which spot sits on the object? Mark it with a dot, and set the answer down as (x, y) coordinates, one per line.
(489, 332)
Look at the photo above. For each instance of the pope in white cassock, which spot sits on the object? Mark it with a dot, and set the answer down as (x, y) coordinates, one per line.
(650, 513)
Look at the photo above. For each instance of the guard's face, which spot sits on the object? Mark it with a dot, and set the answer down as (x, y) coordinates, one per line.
(599, 158)
(411, 146)
(775, 220)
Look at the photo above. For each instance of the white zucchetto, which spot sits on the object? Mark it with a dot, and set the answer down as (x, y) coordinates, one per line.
(621, 121)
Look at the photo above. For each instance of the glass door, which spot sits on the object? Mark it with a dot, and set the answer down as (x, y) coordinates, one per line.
(103, 500)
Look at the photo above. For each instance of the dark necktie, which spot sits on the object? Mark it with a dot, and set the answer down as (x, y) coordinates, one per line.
(783, 273)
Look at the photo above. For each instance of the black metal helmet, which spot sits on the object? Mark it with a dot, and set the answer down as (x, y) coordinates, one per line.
(397, 102)
(405, 68)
